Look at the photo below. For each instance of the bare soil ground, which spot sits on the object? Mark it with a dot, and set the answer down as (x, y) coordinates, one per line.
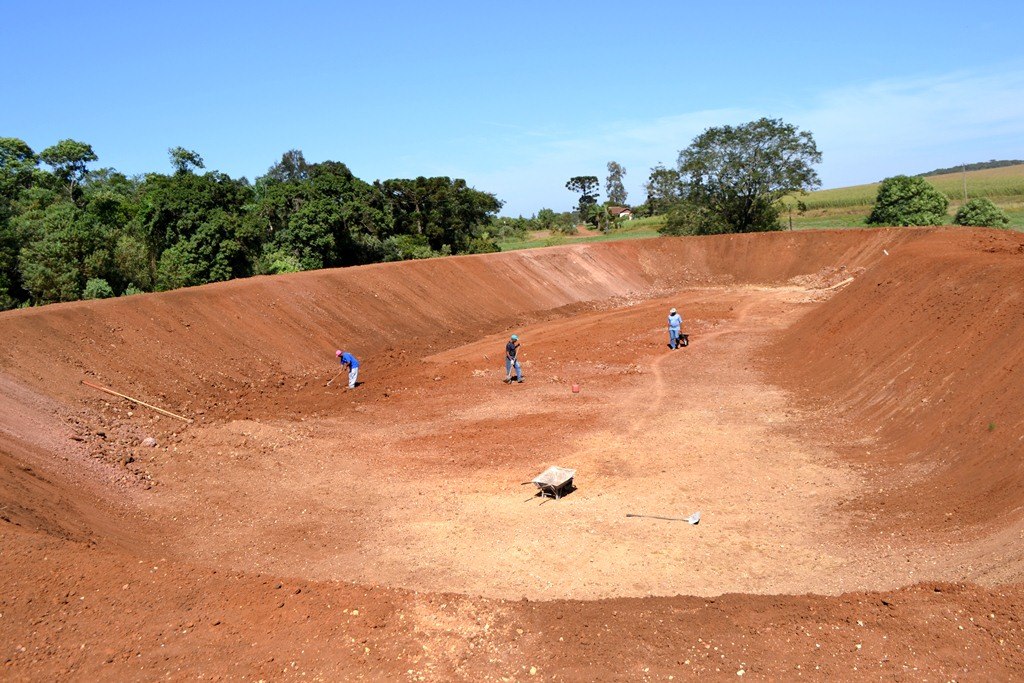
(859, 481)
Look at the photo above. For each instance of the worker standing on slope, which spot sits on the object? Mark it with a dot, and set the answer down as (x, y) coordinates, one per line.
(349, 361)
(512, 359)
(675, 323)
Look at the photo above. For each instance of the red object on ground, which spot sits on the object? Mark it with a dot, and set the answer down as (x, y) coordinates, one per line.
(575, 388)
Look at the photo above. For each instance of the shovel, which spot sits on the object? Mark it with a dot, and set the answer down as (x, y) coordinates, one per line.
(692, 519)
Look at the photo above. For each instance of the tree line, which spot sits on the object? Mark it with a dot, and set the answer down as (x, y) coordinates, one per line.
(69, 232)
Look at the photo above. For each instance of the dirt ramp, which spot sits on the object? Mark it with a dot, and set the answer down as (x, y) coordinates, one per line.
(923, 356)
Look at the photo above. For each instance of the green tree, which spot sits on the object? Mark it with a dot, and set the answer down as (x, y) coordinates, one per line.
(198, 213)
(613, 186)
(291, 169)
(664, 189)
(69, 160)
(17, 167)
(275, 260)
(738, 174)
(65, 248)
(546, 219)
(177, 268)
(689, 218)
(981, 212)
(587, 186)
(185, 160)
(452, 216)
(97, 288)
(133, 263)
(906, 200)
(17, 162)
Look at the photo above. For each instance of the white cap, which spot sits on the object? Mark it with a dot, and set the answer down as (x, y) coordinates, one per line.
(672, 310)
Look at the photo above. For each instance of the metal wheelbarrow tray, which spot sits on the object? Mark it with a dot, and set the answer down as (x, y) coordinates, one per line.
(555, 482)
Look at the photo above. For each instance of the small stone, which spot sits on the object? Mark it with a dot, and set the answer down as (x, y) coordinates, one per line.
(533, 671)
(149, 442)
(355, 613)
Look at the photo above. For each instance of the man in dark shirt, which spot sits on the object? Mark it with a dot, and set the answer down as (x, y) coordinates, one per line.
(512, 360)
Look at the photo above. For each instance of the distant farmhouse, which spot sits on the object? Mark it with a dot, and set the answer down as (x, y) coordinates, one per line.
(621, 212)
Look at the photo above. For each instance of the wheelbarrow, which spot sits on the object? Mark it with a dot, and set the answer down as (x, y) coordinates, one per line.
(554, 482)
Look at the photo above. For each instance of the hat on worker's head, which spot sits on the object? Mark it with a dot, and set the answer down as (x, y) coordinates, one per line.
(338, 352)
(515, 337)
(672, 310)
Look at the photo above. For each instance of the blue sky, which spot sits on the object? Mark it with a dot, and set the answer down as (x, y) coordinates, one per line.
(513, 97)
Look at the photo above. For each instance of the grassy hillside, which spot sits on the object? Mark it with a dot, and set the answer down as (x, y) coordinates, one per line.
(1005, 183)
(850, 206)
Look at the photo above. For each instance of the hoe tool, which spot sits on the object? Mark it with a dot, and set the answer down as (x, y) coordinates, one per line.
(692, 519)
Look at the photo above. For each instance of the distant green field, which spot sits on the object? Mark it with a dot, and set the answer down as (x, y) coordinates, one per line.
(849, 206)
(1005, 183)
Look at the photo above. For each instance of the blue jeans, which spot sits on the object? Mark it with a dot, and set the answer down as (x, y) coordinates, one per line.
(508, 369)
(673, 338)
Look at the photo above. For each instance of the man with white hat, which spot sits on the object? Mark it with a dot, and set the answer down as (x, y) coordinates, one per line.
(675, 323)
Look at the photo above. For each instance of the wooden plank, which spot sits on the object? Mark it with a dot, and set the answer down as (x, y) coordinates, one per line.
(135, 400)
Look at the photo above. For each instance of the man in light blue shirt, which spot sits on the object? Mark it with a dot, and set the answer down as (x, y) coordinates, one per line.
(675, 323)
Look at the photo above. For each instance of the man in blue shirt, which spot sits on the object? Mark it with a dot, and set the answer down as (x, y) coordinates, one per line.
(512, 360)
(675, 322)
(349, 361)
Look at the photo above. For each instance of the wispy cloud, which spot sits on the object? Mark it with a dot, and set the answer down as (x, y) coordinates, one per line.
(864, 131)
(888, 127)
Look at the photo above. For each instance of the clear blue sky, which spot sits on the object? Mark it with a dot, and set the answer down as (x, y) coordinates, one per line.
(513, 97)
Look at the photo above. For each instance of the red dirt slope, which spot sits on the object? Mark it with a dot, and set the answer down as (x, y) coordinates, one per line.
(923, 355)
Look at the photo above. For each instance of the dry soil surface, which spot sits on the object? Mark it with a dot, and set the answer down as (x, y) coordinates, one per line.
(844, 419)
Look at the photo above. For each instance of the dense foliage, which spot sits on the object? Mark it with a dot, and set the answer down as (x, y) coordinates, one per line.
(732, 178)
(907, 200)
(67, 232)
(981, 212)
(664, 190)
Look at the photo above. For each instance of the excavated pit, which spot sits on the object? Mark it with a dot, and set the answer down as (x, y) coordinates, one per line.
(846, 419)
